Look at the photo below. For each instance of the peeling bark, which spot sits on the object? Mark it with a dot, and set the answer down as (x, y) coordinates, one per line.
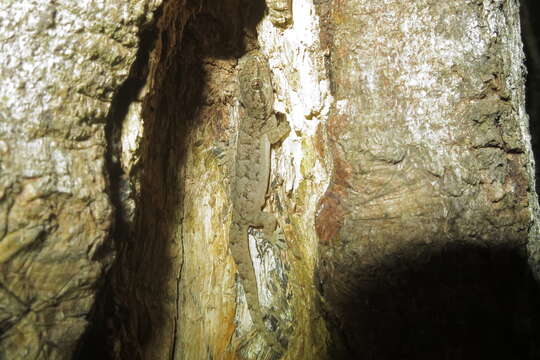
(404, 191)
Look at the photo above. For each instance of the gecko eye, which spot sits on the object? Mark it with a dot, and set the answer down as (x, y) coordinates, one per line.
(256, 84)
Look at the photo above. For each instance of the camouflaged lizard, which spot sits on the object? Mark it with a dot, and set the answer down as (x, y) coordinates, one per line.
(258, 129)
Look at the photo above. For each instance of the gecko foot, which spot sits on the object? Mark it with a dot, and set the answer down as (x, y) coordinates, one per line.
(278, 239)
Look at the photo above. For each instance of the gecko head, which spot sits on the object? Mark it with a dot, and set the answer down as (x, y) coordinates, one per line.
(256, 92)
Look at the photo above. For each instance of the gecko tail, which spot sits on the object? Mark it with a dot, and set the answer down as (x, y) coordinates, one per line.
(239, 245)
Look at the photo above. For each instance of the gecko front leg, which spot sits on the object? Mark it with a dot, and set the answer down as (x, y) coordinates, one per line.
(276, 131)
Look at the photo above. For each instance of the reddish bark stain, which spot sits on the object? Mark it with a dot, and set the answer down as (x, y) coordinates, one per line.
(331, 209)
(336, 125)
(330, 215)
(319, 141)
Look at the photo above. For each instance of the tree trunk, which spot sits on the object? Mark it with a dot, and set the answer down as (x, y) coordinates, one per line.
(404, 192)
(61, 65)
(424, 227)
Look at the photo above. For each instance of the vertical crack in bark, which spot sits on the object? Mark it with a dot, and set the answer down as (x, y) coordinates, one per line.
(530, 29)
(177, 299)
(96, 342)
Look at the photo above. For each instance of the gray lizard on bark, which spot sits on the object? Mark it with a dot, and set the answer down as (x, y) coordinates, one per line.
(258, 129)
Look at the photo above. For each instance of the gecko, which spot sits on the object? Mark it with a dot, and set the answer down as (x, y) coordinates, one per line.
(258, 129)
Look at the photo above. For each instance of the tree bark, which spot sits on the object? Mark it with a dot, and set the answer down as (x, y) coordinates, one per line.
(404, 191)
(431, 205)
(61, 64)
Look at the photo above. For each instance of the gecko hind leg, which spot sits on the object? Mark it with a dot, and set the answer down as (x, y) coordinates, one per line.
(272, 233)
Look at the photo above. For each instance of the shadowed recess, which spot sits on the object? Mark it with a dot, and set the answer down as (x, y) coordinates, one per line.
(530, 28)
(461, 302)
(134, 316)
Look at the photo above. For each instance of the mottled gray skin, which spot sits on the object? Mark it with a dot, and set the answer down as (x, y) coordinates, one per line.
(258, 129)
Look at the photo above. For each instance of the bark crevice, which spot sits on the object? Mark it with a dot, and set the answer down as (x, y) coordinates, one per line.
(183, 61)
(530, 28)
(97, 341)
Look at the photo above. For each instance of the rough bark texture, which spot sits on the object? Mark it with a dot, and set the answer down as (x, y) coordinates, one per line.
(61, 64)
(174, 284)
(404, 190)
(431, 203)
